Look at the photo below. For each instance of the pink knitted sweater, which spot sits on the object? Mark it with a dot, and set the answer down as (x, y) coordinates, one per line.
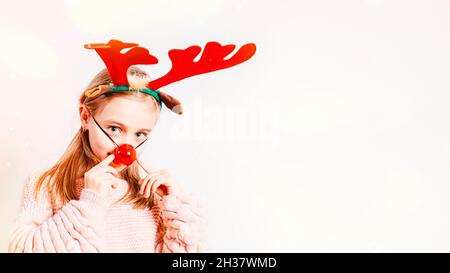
(94, 223)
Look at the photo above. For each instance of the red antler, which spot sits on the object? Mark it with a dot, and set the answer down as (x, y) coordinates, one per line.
(118, 63)
(212, 59)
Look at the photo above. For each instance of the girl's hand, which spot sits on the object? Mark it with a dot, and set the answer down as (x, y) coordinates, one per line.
(158, 182)
(101, 178)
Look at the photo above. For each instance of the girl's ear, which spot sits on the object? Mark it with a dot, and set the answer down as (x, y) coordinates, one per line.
(84, 116)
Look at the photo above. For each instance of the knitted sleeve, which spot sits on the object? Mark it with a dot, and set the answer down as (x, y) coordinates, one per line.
(75, 227)
(182, 224)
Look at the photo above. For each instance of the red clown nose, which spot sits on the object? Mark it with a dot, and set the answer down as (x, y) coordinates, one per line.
(124, 154)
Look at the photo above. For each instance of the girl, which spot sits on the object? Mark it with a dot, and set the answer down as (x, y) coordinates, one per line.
(88, 203)
(97, 198)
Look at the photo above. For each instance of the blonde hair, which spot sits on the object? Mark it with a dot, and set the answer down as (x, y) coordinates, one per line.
(79, 158)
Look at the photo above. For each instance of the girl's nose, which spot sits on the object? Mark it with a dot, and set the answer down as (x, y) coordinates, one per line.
(124, 154)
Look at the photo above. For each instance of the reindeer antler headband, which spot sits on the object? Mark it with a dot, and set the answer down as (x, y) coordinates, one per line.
(183, 66)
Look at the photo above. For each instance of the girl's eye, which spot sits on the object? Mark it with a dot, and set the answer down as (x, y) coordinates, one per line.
(114, 129)
(141, 135)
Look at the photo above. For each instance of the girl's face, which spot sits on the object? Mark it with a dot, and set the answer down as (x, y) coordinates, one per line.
(127, 120)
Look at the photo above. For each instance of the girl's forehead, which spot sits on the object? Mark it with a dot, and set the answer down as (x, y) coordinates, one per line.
(134, 113)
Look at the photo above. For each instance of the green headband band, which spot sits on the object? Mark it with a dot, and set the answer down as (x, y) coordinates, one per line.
(151, 92)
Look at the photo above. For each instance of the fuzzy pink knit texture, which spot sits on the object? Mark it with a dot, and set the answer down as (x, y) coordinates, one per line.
(101, 224)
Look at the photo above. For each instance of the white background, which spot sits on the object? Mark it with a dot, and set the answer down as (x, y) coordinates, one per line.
(333, 137)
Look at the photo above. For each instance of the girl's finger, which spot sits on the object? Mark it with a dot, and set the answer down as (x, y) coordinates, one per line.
(155, 183)
(150, 183)
(164, 179)
(105, 162)
(144, 182)
(162, 185)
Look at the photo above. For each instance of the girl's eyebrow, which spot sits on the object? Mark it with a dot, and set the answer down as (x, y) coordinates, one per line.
(124, 126)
